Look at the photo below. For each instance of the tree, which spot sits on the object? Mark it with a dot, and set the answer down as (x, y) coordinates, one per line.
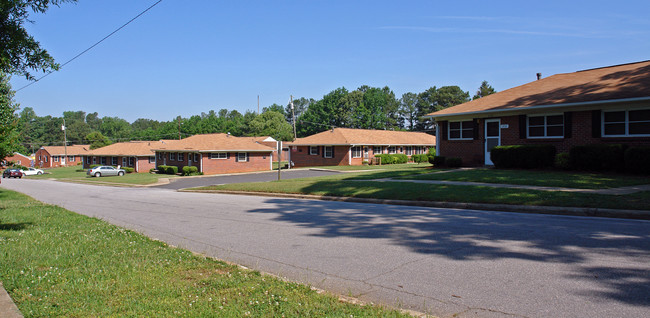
(20, 52)
(97, 140)
(408, 111)
(271, 123)
(8, 120)
(484, 90)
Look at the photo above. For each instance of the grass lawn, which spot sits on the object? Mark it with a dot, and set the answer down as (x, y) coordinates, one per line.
(548, 178)
(55, 263)
(77, 174)
(345, 185)
(369, 172)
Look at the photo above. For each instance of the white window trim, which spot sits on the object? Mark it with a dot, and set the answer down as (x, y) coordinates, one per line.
(313, 153)
(331, 151)
(545, 127)
(152, 159)
(381, 150)
(627, 123)
(408, 150)
(55, 158)
(172, 156)
(245, 156)
(392, 152)
(213, 155)
(360, 152)
(461, 130)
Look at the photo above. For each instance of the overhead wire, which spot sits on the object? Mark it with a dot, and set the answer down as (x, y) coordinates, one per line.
(92, 46)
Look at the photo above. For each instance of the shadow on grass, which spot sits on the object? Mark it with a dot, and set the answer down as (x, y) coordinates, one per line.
(475, 235)
(14, 226)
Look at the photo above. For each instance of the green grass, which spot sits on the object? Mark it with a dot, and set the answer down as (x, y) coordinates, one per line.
(547, 178)
(55, 263)
(77, 174)
(344, 186)
(370, 172)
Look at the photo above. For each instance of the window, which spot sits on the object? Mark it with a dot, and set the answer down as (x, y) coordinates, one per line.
(626, 123)
(103, 160)
(114, 161)
(131, 161)
(196, 157)
(418, 150)
(328, 152)
(218, 155)
(391, 150)
(313, 150)
(56, 158)
(461, 130)
(45, 158)
(94, 160)
(172, 156)
(376, 150)
(160, 155)
(356, 152)
(242, 156)
(181, 157)
(546, 126)
(71, 158)
(152, 159)
(409, 150)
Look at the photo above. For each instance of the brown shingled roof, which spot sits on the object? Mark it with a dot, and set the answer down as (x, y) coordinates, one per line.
(214, 142)
(619, 82)
(131, 148)
(348, 136)
(72, 150)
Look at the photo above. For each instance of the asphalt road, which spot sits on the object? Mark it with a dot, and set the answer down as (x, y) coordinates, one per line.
(183, 183)
(440, 261)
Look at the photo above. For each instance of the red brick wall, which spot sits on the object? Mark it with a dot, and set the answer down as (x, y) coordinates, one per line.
(301, 157)
(256, 162)
(140, 164)
(18, 159)
(472, 152)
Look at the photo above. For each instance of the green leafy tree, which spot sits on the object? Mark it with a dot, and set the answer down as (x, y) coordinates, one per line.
(408, 111)
(115, 128)
(324, 114)
(484, 90)
(20, 52)
(8, 119)
(271, 123)
(300, 105)
(97, 140)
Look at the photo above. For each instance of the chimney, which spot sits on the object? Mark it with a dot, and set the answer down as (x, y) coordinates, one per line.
(539, 76)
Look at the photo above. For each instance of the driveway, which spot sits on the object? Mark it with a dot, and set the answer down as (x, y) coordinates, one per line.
(203, 181)
(446, 262)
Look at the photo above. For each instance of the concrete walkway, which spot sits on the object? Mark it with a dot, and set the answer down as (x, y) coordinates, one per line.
(7, 307)
(611, 191)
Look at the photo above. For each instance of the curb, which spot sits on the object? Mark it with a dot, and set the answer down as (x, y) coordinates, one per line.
(554, 210)
(7, 307)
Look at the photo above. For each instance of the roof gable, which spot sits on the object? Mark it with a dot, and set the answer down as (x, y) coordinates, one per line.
(215, 142)
(131, 148)
(349, 136)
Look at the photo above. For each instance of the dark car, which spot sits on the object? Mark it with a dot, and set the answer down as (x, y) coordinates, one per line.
(12, 173)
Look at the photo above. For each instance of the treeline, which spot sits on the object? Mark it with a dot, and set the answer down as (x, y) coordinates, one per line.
(366, 107)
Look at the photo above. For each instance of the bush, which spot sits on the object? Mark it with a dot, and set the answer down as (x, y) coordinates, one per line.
(637, 159)
(167, 170)
(400, 158)
(128, 169)
(94, 166)
(437, 161)
(420, 158)
(453, 162)
(431, 152)
(388, 159)
(563, 161)
(190, 170)
(523, 156)
(597, 157)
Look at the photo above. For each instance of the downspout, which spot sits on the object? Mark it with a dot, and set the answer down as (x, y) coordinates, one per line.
(438, 139)
(350, 156)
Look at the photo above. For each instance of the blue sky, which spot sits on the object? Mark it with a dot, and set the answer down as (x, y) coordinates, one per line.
(187, 57)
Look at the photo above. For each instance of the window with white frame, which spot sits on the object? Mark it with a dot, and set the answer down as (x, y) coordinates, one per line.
(218, 155)
(196, 157)
(45, 158)
(181, 157)
(461, 130)
(392, 150)
(242, 156)
(546, 126)
(160, 155)
(328, 151)
(114, 161)
(313, 150)
(71, 158)
(376, 150)
(409, 150)
(94, 160)
(172, 156)
(626, 123)
(56, 158)
(356, 152)
(152, 159)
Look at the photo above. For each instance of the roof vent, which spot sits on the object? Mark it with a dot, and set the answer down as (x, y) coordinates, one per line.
(539, 76)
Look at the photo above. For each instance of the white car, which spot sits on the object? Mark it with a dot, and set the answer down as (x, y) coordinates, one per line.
(32, 172)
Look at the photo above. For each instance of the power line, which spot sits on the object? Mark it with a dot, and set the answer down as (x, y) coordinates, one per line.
(92, 46)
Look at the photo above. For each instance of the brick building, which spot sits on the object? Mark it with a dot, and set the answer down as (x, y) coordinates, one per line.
(217, 153)
(58, 156)
(347, 147)
(138, 155)
(18, 159)
(604, 105)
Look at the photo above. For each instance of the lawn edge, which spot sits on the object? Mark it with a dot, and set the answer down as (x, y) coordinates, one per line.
(531, 209)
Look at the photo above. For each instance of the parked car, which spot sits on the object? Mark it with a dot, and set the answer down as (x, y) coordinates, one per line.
(104, 171)
(12, 173)
(32, 172)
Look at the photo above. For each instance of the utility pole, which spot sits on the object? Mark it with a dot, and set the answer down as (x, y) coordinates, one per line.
(179, 127)
(65, 143)
(293, 114)
(279, 159)
(258, 104)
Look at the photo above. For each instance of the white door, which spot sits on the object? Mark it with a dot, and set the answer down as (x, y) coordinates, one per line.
(492, 137)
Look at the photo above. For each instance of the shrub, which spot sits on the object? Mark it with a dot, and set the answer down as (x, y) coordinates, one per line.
(597, 157)
(437, 161)
(563, 161)
(453, 162)
(400, 158)
(93, 166)
(128, 169)
(420, 158)
(190, 170)
(167, 169)
(637, 159)
(385, 159)
(431, 152)
(523, 156)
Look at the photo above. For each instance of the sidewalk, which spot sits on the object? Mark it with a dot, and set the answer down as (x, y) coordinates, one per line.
(7, 307)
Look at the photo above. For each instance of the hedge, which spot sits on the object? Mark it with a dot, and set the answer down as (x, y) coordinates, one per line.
(420, 158)
(388, 159)
(598, 157)
(637, 159)
(128, 169)
(523, 156)
(167, 169)
(563, 161)
(437, 161)
(190, 170)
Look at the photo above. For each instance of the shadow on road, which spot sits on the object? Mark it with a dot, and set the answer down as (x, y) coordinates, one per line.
(475, 235)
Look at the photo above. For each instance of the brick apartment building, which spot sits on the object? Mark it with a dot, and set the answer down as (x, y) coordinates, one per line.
(138, 155)
(58, 156)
